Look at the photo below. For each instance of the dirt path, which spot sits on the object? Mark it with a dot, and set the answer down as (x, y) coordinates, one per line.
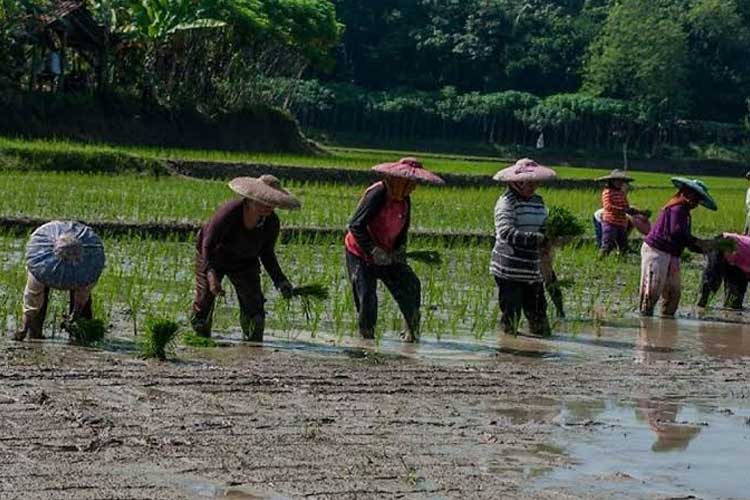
(246, 422)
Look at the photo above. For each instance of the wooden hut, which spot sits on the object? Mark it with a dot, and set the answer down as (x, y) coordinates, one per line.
(68, 26)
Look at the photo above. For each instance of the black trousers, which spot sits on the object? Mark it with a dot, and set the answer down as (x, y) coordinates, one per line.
(249, 293)
(719, 271)
(400, 280)
(518, 297)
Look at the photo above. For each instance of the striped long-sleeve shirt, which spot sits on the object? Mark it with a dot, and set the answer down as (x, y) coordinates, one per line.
(615, 204)
(518, 234)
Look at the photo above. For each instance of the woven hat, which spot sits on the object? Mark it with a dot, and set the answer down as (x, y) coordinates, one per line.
(409, 168)
(698, 187)
(65, 255)
(525, 169)
(616, 175)
(266, 189)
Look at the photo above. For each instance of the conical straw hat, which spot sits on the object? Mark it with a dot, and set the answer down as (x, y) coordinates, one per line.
(525, 169)
(616, 175)
(409, 168)
(266, 189)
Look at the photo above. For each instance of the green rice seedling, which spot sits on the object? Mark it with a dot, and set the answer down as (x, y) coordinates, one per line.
(86, 332)
(160, 338)
(190, 339)
(430, 257)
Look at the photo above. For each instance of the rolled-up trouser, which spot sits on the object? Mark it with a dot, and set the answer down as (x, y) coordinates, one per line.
(718, 271)
(660, 279)
(36, 299)
(614, 237)
(249, 293)
(518, 297)
(400, 280)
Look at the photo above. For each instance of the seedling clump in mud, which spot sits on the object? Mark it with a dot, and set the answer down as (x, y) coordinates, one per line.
(86, 332)
(160, 339)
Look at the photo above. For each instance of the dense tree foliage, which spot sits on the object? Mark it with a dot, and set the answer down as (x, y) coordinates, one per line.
(687, 58)
(593, 73)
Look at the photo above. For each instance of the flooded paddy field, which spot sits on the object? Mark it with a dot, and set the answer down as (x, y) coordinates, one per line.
(659, 409)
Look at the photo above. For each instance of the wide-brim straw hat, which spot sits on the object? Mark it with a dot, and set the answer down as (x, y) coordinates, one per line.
(698, 187)
(616, 175)
(410, 169)
(525, 170)
(65, 255)
(265, 189)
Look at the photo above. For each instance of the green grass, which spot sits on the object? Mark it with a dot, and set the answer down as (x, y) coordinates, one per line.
(45, 154)
(145, 198)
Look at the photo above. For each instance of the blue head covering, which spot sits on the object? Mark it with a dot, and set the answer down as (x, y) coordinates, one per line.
(65, 255)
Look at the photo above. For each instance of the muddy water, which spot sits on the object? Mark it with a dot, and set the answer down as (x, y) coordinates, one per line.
(643, 340)
(652, 448)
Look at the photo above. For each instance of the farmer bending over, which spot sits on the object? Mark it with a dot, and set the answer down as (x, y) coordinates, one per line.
(376, 245)
(662, 248)
(231, 243)
(519, 237)
(729, 267)
(63, 255)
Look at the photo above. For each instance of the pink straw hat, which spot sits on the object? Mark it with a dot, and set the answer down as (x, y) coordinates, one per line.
(409, 168)
(525, 170)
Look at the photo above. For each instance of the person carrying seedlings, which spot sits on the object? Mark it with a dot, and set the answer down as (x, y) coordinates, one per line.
(240, 235)
(520, 215)
(376, 245)
(61, 255)
(730, 266)
(615, 222)
(664, 244)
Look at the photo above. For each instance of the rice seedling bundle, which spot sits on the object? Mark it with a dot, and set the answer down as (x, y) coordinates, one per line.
(431, 257)
(561, 223)
(86, 332)
(160, 339)
(316, 291)
(190, 339)
(725, 245)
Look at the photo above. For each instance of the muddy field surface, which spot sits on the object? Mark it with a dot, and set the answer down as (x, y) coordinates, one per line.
(308, 419)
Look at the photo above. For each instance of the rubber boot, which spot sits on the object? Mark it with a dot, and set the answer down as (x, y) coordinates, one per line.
(31, 326)
(411, 334)
(367, 333)
(254, 328)
(201, 327)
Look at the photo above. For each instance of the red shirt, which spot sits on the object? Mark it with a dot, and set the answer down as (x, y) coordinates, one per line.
(384, 228)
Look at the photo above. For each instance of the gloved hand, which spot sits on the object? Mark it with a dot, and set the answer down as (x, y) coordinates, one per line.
(286, 289)
(214, 284)
(399, 256)
(381, 257)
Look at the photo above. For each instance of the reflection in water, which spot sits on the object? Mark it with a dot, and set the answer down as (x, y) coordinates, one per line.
(661, 416)
(652, 448)
(656, 339)
(724, 341)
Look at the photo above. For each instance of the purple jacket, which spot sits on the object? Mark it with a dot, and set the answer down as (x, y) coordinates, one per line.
(671, 231)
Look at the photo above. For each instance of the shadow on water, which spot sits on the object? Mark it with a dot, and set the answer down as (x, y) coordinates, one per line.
(665, 447)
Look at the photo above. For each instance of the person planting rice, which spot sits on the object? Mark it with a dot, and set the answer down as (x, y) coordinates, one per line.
(730, 266)
(520, 215)
(664, 244)
(61, 255)
(376, 245)
(241, 234)
(615, 222)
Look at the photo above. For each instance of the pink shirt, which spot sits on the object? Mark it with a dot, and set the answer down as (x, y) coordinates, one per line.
(741, 257)
(384, 228)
